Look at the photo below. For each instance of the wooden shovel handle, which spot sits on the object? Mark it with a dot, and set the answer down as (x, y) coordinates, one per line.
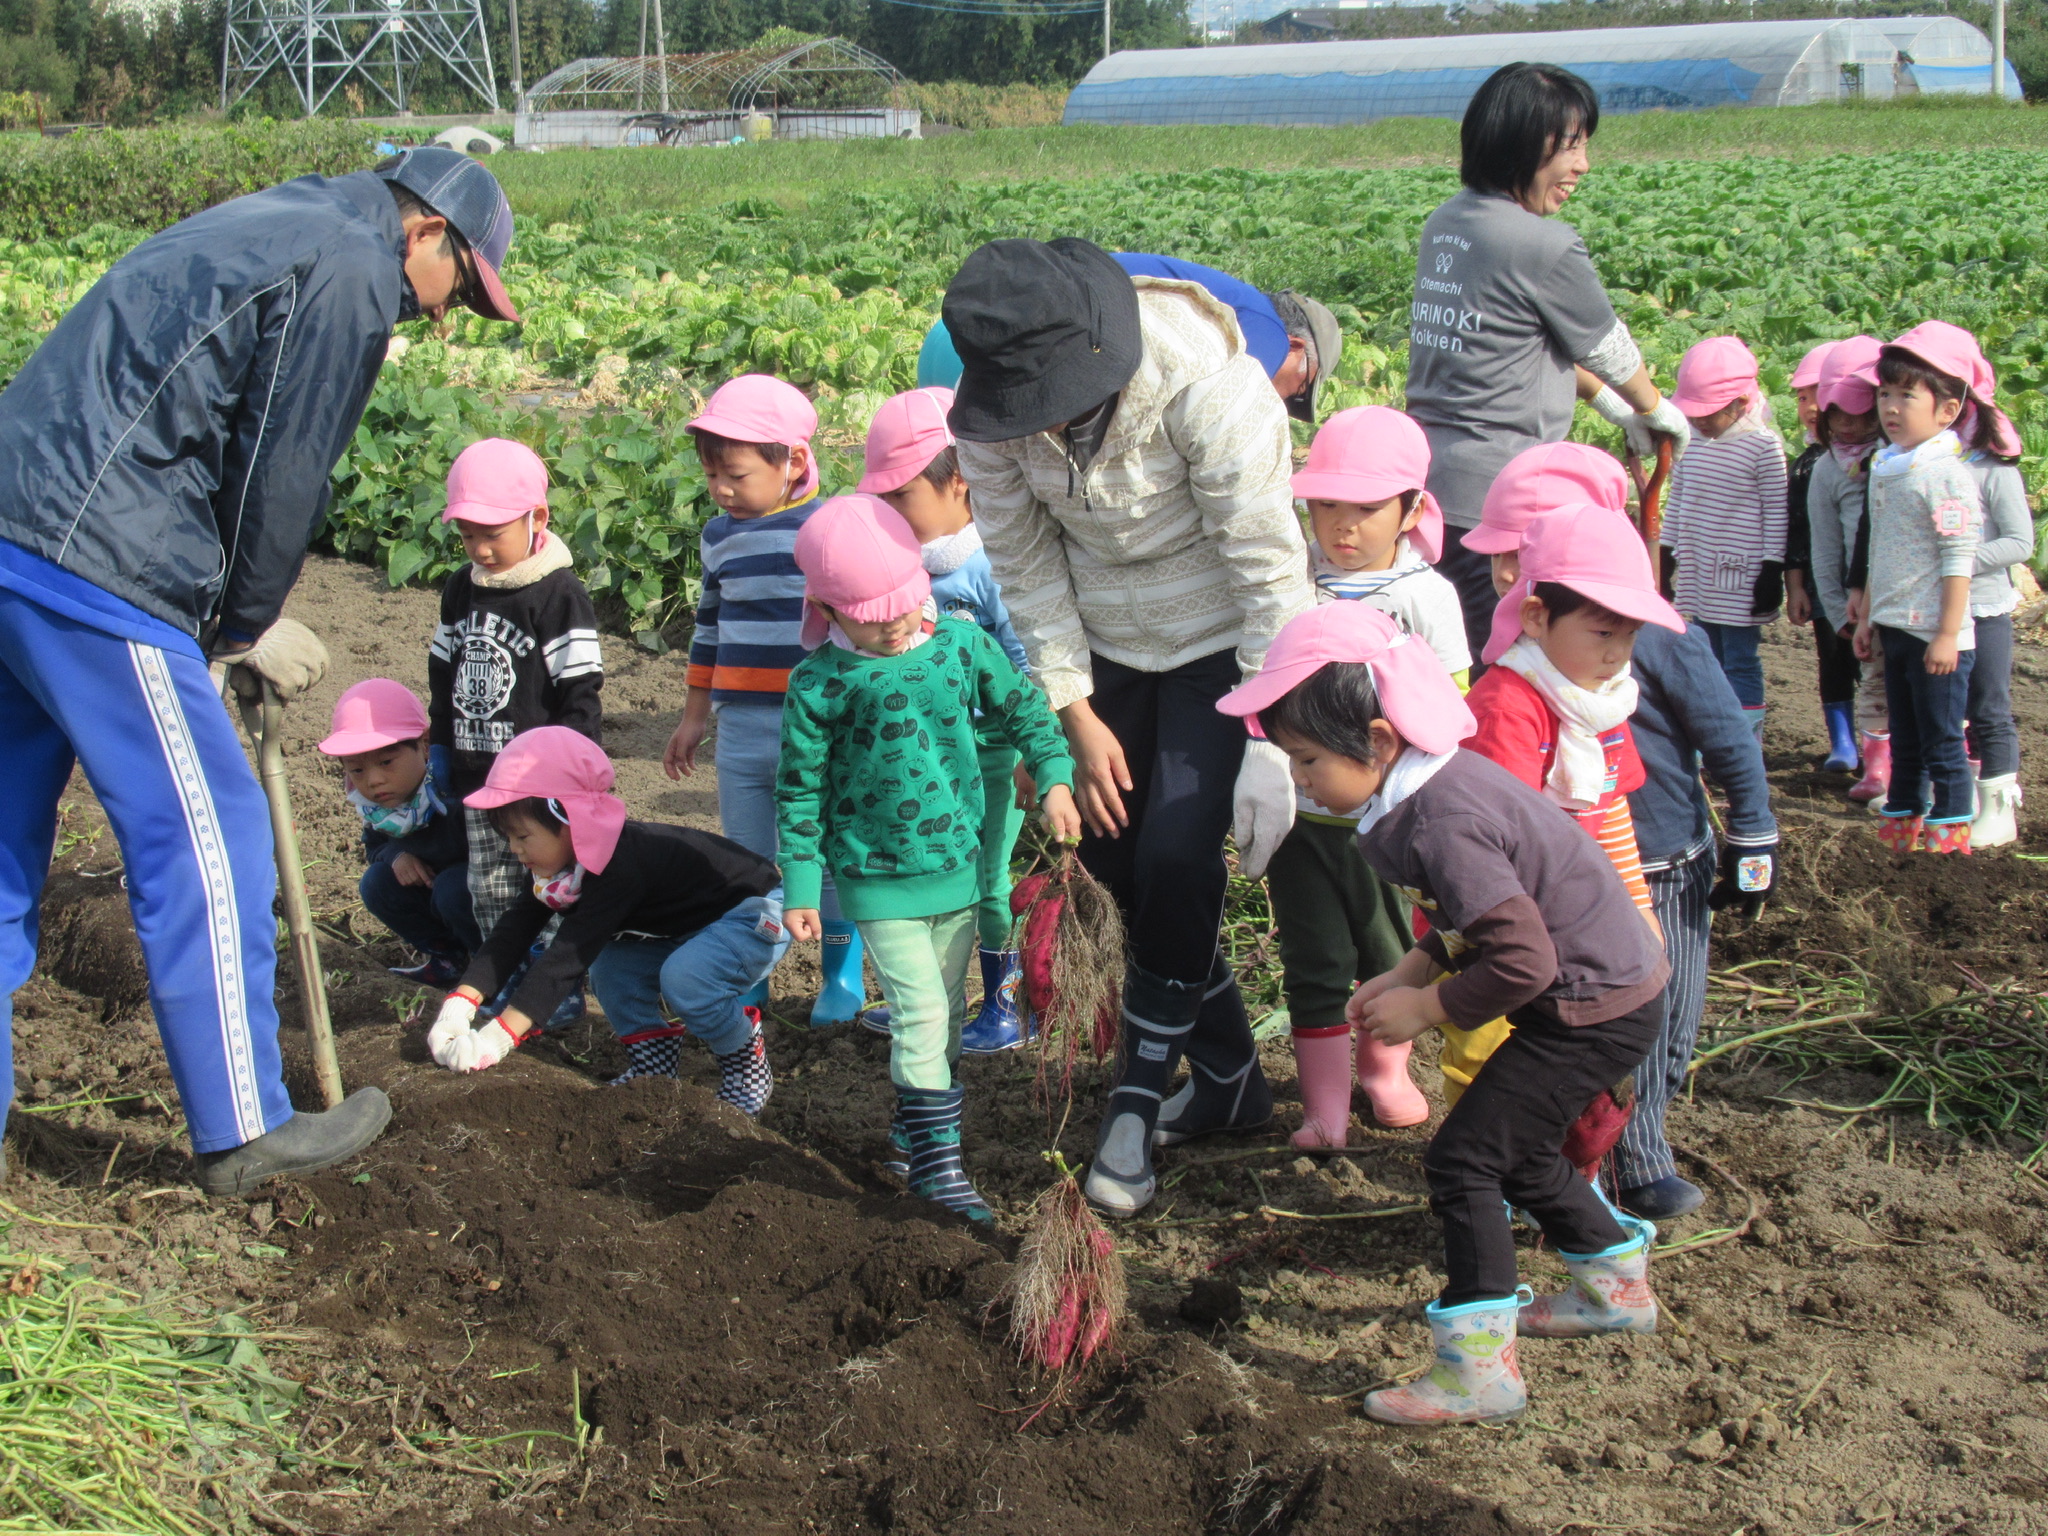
(1653, 509)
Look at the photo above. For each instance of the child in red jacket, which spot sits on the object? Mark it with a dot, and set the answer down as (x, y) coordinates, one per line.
(1554, 704)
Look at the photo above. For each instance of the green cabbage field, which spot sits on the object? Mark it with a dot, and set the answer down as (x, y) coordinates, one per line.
(630, 319)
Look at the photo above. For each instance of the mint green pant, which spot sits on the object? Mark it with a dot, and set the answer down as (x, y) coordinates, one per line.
(923, 963)
(1001, 821)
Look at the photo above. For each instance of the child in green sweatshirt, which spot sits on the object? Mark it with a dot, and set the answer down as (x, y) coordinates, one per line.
(880, 783)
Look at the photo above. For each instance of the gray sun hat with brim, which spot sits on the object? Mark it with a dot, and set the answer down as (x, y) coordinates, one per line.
(1046, 331)
(1324, 335)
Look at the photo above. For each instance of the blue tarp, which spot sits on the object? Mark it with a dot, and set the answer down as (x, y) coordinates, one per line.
(1337, 98)
(1967, 79)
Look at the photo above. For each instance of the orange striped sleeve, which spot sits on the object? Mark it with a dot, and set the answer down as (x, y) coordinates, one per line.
(698, 675)
(1617, 840)
(751, 679)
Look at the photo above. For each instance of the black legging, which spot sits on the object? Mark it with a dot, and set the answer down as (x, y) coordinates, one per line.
(1166, 869)
(1472, 574)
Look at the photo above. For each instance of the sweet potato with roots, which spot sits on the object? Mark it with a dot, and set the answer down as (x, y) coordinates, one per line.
(1071, 938)
(1066, 1295)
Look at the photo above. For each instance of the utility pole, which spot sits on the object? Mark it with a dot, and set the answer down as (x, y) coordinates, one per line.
(1998, 49)
(1105, 28)
(518, 85)
(661, 54)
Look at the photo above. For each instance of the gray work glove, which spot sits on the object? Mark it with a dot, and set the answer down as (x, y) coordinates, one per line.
(1667, 420)
(1262, 806)
(287, 655)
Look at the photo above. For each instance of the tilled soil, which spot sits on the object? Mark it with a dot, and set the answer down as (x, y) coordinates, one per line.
(751, 1328)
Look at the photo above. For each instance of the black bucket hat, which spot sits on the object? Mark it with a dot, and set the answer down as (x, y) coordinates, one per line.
(1045, 330)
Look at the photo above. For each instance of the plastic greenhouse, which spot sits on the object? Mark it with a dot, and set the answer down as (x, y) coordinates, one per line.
(823, 89)
(1635, 69)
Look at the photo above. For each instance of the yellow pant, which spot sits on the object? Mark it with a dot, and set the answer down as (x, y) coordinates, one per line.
(1465, 1052)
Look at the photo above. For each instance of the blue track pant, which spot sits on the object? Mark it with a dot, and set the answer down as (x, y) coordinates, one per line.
(156, 744)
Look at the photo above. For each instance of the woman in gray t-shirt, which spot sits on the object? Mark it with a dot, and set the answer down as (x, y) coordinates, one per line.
(1511, 327)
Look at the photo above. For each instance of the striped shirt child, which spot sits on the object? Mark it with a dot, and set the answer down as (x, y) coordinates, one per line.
(1725, 518)
(751, 613)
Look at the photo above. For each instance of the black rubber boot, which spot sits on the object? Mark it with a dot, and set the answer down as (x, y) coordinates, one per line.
(1158, 1017)
(1226, 1089)
(303, 1144)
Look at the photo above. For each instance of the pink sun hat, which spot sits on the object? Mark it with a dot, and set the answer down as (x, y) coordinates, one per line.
(1807, 374)
(375, 714)
(495, 481)
(859, 557)
(908, 432)
(1848, 375)
(1539, 480)
(1417, 696)
(1368, 454)
(755, 408)
(1712, 374)
(567, 768)
(1954, 351)
(1596, 552)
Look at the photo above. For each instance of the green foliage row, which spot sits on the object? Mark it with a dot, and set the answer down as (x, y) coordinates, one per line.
(146, 179)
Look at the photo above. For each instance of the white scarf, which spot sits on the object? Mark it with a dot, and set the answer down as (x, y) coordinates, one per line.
(553, 555)
(1578, 775)
(947, 553)
(1412, 769)
(838, 636)
(1893, 460)
(399, 820)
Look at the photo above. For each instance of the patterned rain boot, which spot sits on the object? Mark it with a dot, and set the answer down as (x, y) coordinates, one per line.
(1609, 1291)
(1998, 804)
(931, 1120)
(1951, 836)
(1841, 738)
(652, 1053)
(1322, 1070)
(744, 1080)
(1383, 1074)
(1225, 1090)
(1476, 1378)
(1877, 770)
(1000, 1025)
(1900, 830)
(898, 1160)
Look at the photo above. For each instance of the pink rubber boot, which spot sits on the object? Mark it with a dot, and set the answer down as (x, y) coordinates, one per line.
(1383, 1074)
(1877, 770)
(1322, 1066)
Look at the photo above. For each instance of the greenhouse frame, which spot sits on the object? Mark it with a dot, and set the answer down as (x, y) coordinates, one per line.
(827, 88)
(1634, 69)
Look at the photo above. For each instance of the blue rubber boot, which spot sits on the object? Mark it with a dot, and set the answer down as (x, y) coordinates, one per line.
(1842, 754)
(755, 996)
(1001, 1025)
(931, 1119)
(845, 986)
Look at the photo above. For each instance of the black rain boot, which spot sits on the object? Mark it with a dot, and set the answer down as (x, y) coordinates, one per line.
(1158, 1017)
(1226, 1089)
(303, 1144)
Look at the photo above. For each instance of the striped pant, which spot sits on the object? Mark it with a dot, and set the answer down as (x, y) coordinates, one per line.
(1680, 895)
(147, 725)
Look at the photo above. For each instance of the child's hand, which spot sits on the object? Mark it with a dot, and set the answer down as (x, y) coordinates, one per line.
(1942, 652)
(1354, 1011)
(1061, 816)
(411, 869)
(1399, 1014)
(1027, 789)
(803, 924)
(681, 756)
(1862, 644)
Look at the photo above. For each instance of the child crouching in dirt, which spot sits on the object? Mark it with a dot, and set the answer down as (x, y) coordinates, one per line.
(417, 884)
(880, 782)
(1537, 926)
(913, 465)
(656, 914)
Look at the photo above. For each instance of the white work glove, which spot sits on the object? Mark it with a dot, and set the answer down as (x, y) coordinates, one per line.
(1667, 420)
(450, 1025)
(1262, 806)
(479, 1048)
(288, 654)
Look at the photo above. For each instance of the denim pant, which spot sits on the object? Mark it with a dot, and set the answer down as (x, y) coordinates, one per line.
(1679, 896)
(745, 751)
(1927, 729)
(1735, 648)
(1994, 734)
(700, 978)
(923, 965)
(434, 919)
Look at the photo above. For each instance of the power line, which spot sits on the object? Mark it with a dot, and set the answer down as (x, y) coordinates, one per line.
(998, 9)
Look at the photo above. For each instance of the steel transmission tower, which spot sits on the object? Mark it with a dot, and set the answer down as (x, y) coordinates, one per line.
(320, 45)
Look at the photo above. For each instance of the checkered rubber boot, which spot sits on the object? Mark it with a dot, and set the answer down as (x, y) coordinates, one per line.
(652, 1053)
(931, 1120)
(1609, 1291)
(744, 1080)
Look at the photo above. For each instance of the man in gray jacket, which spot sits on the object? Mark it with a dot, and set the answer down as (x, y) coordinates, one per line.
(164, 462)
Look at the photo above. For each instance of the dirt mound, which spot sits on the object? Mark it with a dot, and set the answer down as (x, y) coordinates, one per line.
(730, 1310)
(88, 941)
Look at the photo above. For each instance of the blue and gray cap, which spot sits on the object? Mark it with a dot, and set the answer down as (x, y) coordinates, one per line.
(470, 199)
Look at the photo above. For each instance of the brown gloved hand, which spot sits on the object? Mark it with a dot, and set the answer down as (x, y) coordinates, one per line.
(288, 655)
